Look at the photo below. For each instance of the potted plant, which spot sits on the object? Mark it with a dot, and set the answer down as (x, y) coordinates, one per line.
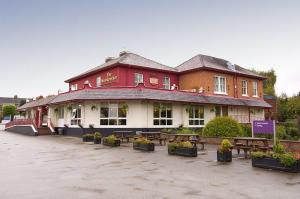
(111, 141)
(88, 137)
(183, 149)
(278, 159)
(224, 153)
(97, 138)
(143, 144)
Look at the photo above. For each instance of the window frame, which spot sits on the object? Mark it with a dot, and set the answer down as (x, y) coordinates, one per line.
(198, 119)
(163, 119)
(167, 85)
(218, 86)
(244, 88)
(138, 78)
(98, 82)
(110, 106)
(76, 120)
(74, 87)
(255, 89)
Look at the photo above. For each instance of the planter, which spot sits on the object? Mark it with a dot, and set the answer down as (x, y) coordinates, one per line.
(187, 152)
(272, 163)
(225, 156)
(143, 147)
(97, 141)
(115, 144)
(87, 139)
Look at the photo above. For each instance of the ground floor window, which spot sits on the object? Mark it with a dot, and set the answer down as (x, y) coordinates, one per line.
(196, 116)
(76, 115)
(162, 114)
(113, 114)
(221, 111)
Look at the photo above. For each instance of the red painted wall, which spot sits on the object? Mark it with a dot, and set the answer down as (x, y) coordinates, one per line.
(125, 77)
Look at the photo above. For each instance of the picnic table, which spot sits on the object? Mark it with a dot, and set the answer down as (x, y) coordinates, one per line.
(250, 144)
(124, 135)
(154, 136)
(193, 138)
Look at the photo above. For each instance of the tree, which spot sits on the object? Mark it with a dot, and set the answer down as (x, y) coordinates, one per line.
(9, 110)
(269, 83)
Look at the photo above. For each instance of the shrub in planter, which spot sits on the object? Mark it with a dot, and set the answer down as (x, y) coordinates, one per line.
(88, 137)
(143, 144)
(223, 127)
(97, 138)
(182, 149)
(277, 160)
(224, 153)
(111, 141)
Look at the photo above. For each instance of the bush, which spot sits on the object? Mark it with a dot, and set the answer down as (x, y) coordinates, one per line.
(288, 159)
(185, 131)
(247, 130)
(142, 140)
(278, 148)
(281, 132)
(223, 127)
(225, 145)
(292, 132)
(97, 135)
(186, 144)
(88, 135)
(111, 139)
(168, 131)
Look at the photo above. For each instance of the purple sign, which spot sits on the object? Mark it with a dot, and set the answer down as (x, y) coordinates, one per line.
(263, 127)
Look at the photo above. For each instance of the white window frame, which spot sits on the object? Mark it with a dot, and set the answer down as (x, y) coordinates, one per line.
(160, 118)
(75, 119)
(166, 85)
(194, 118)
(244, 88)
(218, 86)
(98, 81)
(61, 112)
(138, 78)
(255, 89)
(74, 87)
(110, 106)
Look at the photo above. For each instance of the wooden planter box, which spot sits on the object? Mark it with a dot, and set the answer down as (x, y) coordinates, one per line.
(225, 156)
(115, 144)
(143, 147)
(97, 141)
(87, 139)
(272, 163)
(187, 152)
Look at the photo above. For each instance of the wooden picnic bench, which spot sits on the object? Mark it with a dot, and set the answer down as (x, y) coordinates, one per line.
(124, 135)
(248, 144)
(193, 138)
(159, 136)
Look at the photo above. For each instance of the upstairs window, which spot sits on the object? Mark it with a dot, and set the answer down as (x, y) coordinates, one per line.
(73, 87)
(220, 85)
(255, 93)
(196, 116)
(113, 114)
(166, 82)
(138, 78)
(244, 88)
(162, 114)
(98, 82)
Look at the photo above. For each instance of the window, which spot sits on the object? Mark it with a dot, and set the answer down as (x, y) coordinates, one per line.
(138, 78)
(166, 82)
(98, 82)
(76, 115)
(255, 93)
(113, 114)
(196, 116)
(61, 113)
(74, 87)
(244, 88)
(162, 114)
(221, 111)
(220, 85)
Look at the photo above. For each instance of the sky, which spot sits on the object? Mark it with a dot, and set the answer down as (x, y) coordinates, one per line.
(43, 43)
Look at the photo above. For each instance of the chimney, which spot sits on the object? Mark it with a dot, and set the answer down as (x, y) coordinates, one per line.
(108, 59)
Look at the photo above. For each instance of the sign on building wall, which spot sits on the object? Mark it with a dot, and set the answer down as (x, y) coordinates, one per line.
(109, 78)
(153, 80)
(264, 127)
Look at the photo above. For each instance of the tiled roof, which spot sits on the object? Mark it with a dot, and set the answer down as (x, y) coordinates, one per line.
(127, 59)
(153, 94)
(36, 103)
(11, 100)
(204, 61)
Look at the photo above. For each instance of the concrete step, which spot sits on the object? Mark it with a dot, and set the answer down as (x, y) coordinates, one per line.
(44, 131)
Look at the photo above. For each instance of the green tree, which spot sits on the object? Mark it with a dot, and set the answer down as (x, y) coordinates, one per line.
(269, 83)
(9, 110)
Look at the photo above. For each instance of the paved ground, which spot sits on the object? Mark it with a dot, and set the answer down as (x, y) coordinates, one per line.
(64, 167)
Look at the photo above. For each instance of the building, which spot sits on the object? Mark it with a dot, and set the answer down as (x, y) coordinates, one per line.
(10, 101)
(271, 113)
(136, 93)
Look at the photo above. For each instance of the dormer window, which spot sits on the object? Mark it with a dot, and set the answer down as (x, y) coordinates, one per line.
(138, 78)
(220, 85)
(166, 82)
(73, 87)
